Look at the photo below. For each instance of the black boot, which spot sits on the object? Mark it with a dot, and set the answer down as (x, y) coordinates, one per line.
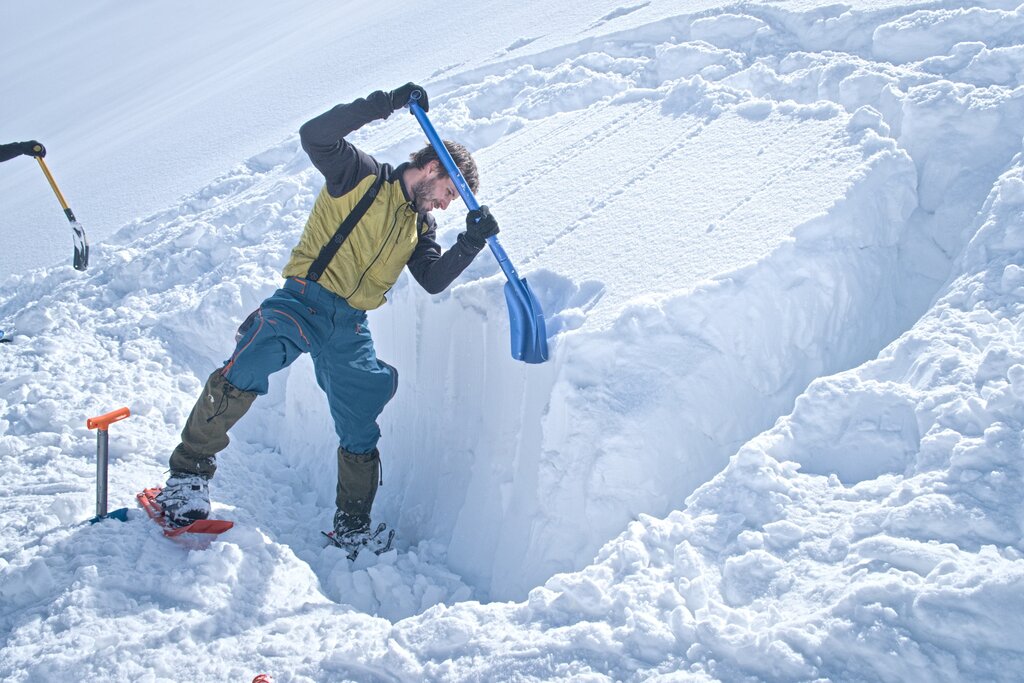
(358, 479)
(185, 498)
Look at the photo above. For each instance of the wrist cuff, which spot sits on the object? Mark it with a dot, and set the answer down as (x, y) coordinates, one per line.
(474, 243)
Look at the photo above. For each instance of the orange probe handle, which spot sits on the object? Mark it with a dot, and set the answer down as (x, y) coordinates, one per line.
(103, 421)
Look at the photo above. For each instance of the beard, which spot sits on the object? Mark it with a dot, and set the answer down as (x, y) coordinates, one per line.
(422, 200)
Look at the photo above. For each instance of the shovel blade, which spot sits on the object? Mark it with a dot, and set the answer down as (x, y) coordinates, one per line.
(81, 260)
(526, 323)
(121, 515)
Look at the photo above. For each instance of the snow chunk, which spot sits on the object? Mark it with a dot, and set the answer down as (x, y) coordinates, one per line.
(926, 33)
(729, 30)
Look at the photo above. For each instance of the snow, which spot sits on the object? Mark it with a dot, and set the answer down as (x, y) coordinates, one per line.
(780, 248)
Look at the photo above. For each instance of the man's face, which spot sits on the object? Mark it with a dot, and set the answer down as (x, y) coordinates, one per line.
(434, 191)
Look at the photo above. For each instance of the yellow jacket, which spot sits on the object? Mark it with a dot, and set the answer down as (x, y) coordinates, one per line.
(391, 234)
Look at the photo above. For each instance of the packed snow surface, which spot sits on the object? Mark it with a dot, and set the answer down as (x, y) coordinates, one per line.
(780, 250)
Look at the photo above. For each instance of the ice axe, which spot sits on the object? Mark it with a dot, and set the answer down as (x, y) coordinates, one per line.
(529, 336)
(81, 261)
(102, 424)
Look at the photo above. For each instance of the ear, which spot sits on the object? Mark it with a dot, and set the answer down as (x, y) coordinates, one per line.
(434, 168)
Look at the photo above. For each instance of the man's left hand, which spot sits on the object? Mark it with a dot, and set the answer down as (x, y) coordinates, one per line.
(32, 148)
(480, 225)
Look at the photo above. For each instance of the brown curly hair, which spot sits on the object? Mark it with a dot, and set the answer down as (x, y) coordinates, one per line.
(463, 159)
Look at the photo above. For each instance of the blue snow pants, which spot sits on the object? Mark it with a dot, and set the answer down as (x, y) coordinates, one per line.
(303, 317)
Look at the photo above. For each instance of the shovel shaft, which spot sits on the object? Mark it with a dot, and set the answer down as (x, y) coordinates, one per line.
(102, 456)
(53, 184)
(461, 185)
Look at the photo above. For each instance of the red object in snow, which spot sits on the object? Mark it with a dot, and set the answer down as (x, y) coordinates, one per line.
(147, 499)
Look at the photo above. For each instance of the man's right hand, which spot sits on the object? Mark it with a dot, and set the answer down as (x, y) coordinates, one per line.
(32, 148)
(400, 97)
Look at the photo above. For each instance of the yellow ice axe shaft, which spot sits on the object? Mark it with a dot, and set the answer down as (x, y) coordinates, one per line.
(56, 190)
(81, 260)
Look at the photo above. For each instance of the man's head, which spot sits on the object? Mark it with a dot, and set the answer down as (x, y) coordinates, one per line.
(431, 186)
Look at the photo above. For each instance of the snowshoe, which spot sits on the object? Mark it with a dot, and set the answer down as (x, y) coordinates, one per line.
(149, 500)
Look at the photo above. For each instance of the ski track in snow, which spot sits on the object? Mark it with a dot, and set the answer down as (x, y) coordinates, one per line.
(730, 216)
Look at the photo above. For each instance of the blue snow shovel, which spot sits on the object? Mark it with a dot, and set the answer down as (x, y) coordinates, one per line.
(529, 337)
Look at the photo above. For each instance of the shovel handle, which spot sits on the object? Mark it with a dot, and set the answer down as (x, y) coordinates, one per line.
(442, 152)
(460, 182)
(103, 421)
(53, 184)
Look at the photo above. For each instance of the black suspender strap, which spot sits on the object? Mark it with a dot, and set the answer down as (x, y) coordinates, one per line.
(344, 230)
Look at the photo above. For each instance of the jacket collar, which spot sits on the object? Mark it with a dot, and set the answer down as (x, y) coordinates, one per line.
(400, 172)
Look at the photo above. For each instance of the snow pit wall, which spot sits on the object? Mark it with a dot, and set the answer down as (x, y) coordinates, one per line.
(523, 471)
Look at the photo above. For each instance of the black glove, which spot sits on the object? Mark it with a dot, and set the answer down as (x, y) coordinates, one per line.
(480, 225)
(400, 97)
(32, 148)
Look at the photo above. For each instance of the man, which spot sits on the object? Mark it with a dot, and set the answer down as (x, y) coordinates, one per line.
(16, 149)
(322, 307)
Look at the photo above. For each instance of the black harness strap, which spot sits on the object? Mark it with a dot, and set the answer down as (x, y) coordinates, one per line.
(344, 230)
